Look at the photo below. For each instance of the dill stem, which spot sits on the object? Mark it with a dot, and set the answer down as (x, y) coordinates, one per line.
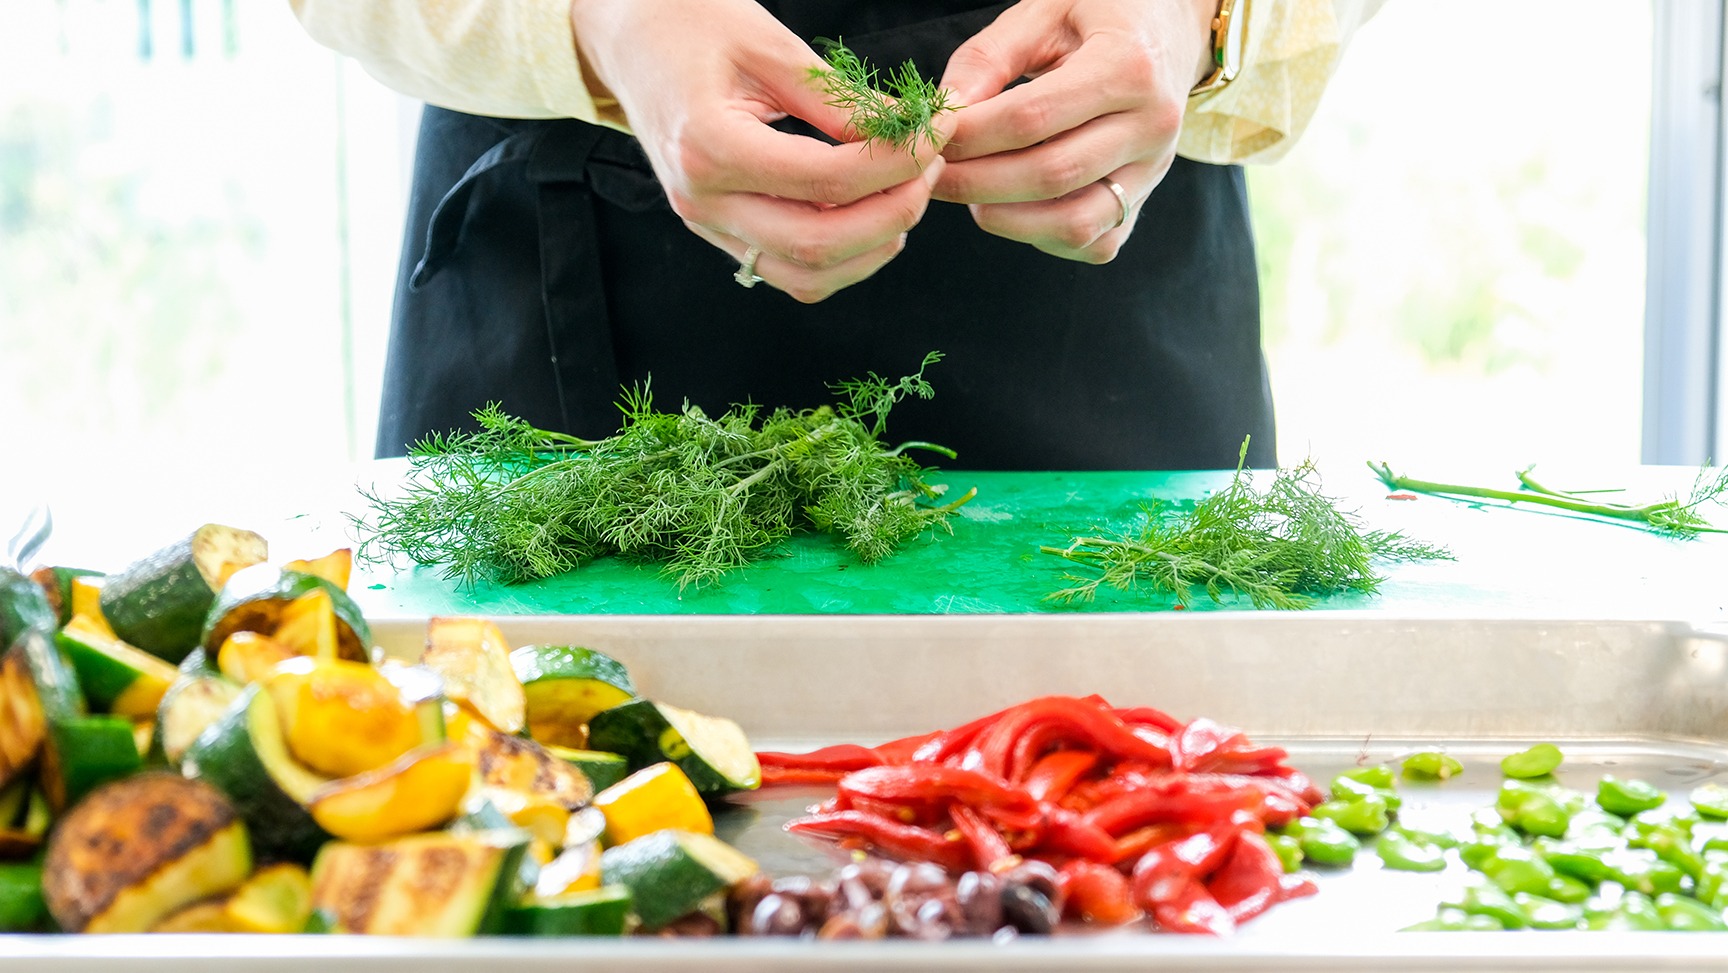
(1611, 510)
(1530, 484)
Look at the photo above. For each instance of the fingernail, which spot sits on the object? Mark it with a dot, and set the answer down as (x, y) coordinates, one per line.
(933, 170)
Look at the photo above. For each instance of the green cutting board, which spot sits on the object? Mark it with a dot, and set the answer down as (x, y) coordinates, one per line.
(1509, 561)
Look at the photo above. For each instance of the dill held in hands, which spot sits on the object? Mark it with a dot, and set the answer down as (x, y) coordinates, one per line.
(701, 495)
(900, 110)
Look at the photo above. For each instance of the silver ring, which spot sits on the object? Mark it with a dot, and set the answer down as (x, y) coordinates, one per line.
(746, 274)
(1121, 201)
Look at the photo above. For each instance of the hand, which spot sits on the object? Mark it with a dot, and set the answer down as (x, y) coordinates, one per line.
(1110, 81)
(700, 82)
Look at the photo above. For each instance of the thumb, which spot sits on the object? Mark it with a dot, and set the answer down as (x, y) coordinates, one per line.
(1011, 47)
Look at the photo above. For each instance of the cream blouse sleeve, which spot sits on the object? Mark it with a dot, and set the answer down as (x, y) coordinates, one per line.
(517, 59)
(1293, 46)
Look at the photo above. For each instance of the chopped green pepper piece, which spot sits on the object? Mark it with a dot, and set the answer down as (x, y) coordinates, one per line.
(1431, 765)
(21, 906)
(1538, 761)
(1627, 797)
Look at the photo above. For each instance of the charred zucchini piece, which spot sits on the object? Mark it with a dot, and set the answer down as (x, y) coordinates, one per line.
(420, 791)
(258, 598)
(342, 718)
(210, 915)
(471, 656)
(652, 799)
(671, 873)
(277, 899)
(604, 911)
(247, 657)
(516, 773)
(116, 678)
(335, 567)
(24, 607)
(565, 685)
(85, 752)
(244, 756)
(190, 707)
(22, 725)
(58, 582)
(442, 884)
(712, 751)
(160, 602)
(24, 820)
(140, 849)
(602, 769)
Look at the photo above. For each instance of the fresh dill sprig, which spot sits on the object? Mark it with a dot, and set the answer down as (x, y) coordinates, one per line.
(1674, 515)
(1280, 548)
(898, 109)
(510, 502)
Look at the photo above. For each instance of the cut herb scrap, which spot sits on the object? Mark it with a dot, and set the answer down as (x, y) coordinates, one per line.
(899, 109)
(1674, 516)
(701, 495)
(1280, 548)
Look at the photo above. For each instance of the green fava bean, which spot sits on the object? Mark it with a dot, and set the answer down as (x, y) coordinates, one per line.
(1475, 854)
(1487, 899)
(1711, 800)
(1685, 914)
(1431, 765)
(1712, 885)
(1456, 920)
(1672, 846)
(1363, 816)
(1288, 850)
(1635, 913)
(1402, 853)
(1565, 888)
(1349, 789)
(1587, 864)
(1324, 842)
(1542, 815)
(1640, 871)
(1444, 839)
(1538, 761)
(1549, 914)
(1520, 870)
(1378, 776)
(1627, 797)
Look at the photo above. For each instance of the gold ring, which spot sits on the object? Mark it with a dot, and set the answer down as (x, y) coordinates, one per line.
(746, 274)
(1121, 201)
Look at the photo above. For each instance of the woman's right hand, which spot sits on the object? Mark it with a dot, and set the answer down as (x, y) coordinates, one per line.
(700, 81)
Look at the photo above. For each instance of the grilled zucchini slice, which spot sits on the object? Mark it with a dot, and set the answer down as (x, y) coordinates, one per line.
(441, 884)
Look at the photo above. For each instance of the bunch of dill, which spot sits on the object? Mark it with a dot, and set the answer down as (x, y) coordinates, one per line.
(1279, 548)
(898, 109)
(701, 495)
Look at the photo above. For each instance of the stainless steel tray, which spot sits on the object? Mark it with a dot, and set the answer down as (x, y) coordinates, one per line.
(1646, 699)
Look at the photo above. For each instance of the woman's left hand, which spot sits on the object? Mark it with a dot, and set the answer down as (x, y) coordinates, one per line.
(1109, 83)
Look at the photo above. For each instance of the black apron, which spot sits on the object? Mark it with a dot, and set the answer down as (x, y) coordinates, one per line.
(544, 270)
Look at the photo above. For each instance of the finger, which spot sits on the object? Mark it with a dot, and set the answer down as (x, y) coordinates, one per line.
(1018, 43)
(804, 284)
(817, 237)
(747, 156)
(1083, 88)
(1055, 168)
(1086, 224)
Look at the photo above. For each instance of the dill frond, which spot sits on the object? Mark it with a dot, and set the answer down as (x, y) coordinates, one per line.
(898, 109)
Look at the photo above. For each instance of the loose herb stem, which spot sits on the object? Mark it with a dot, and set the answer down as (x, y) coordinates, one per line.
(1673, 516)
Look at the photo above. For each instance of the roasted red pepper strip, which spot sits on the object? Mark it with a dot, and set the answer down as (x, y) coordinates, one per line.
(1194, 744)
(902, 750)
(937, 784)
(1148, 716)
(1070, 834)
(1085, 720)
(772, 776)
(1177, 800)
(1164, 874)
(1096, 893)
(1192, 909)
(902, 841)
(1141, 840)
(1250, 880)
(1055, 773)
(841, 756)
(987, 844)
